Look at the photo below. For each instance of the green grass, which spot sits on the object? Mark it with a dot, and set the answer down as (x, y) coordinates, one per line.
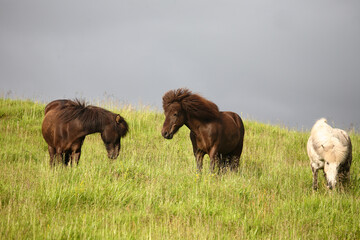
(152, 191)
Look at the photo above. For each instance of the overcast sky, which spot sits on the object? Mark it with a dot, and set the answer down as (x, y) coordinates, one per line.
(277, 61)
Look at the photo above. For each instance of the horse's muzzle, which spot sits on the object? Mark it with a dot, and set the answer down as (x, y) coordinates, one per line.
(331, 185)
(113, 156)
(167, 135)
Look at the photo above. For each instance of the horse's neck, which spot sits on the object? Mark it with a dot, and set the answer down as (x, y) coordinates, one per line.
(95, 127)
(91, 130)
(194, 124)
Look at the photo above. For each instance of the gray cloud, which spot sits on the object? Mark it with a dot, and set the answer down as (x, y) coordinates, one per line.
(276, 61)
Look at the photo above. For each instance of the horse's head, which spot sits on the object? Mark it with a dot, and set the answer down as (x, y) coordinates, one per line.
(112, 134)
(331, 170)
(337, 158)
(174, 119)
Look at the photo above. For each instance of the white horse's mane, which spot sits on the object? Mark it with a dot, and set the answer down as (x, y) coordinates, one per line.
(330, 143)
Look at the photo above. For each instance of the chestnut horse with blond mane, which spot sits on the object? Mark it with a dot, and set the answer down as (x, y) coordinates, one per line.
(218, 134)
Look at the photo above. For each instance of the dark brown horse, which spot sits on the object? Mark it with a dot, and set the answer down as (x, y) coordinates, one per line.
(218, 134)
(67, 122)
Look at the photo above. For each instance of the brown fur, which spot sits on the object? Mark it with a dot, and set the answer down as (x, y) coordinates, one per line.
(66, 123)
(218, 134)
(193, 104)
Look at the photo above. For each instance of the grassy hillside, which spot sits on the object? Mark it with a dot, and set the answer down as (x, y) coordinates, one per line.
(152, 190)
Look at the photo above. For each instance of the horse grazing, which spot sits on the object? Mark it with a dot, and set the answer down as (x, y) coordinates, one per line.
(218, 134)
(67, 123)
(329, 149)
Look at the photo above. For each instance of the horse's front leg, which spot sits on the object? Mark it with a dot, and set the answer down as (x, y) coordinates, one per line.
(315, 178)
(199, 155)
(214, 159)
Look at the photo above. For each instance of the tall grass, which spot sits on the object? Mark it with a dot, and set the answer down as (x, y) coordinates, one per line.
(152, 190)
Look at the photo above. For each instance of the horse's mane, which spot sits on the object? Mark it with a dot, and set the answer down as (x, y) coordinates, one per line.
(90, 116)
(193, 104)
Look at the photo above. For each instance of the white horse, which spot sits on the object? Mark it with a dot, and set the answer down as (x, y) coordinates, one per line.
(329, 149)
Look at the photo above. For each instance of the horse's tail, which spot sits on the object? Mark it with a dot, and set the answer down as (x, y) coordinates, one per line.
(240, 124)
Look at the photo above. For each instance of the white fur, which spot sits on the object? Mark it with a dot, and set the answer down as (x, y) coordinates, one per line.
(328, 148)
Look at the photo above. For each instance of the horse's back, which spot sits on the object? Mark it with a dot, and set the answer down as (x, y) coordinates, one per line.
(56, 104)
(321, 134)
(329, 143)
(342, 137)
(233, 122)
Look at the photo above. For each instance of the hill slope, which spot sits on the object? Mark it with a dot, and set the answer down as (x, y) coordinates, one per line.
(152, 189)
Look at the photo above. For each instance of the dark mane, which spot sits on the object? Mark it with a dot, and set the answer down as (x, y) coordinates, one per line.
(193, 104)
(90, 116)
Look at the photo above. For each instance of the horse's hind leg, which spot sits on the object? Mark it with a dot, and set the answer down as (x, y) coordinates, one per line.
(66, 158)
(75, 157)
(222, 162)
(235, 158)
(76, 151)
(234, 163)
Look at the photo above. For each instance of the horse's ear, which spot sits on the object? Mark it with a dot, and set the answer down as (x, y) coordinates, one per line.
(118, 119)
